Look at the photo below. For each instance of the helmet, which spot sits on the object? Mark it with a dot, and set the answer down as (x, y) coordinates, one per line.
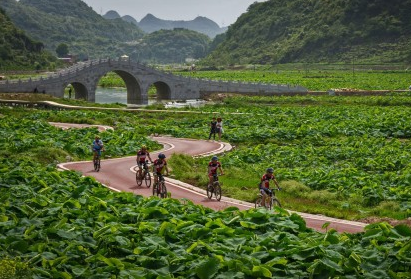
(215, 158)
(161, 156)
(97, 137)
(143, 147)
(270, 170)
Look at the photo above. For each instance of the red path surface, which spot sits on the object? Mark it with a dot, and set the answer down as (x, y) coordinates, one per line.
(117, 174)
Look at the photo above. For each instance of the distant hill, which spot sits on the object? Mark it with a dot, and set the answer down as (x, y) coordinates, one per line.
(129, 19)
(283, 31)
(170, 46)
(203, 25)
(18, 51)
(74, 23)
(111, 15)
(150, 24)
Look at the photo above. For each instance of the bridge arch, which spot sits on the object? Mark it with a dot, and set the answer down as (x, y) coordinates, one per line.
(133, 87)
(163, 90)
(80, 90)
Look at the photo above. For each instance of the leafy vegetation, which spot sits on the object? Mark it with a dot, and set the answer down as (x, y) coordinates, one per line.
(18, 51)
(50, 145)
(282, 31)
(315, 79)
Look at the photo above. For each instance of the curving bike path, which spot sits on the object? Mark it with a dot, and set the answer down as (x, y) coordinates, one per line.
(119, 175)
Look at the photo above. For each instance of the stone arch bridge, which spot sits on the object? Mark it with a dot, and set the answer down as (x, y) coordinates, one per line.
(84, 77)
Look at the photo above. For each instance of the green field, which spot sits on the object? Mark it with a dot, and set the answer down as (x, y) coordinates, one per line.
(315, 78)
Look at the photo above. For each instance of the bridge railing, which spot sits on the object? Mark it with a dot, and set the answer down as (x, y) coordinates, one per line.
(67, 72)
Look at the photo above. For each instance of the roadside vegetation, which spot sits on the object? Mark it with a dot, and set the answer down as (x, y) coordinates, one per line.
(344, 157)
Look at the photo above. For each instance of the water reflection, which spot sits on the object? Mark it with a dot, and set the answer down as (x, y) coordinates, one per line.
(111, 95)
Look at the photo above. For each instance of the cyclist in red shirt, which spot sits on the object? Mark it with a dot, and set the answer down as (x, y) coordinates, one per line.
(213, 166)
(264, 185)
(159, 165)
(142, 154)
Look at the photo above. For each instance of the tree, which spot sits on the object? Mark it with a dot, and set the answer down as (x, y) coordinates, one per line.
(62, 50)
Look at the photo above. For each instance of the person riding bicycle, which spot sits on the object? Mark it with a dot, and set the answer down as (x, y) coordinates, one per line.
(264, 185)
(97, 147)
(158, 166)
(213, 166)
(142, 154)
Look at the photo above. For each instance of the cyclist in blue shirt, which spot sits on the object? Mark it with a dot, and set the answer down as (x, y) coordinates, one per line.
(97, 147)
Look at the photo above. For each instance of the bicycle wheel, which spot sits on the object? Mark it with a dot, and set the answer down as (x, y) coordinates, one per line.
(275, 202)
(258, 201)
(155, 188)
(147, 179)
(210, 191)
(217, 191)
(162, 190)
(139, 179)
(96, 164)
(269, 206)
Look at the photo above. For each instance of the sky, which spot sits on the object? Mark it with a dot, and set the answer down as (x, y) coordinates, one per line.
(222, 12)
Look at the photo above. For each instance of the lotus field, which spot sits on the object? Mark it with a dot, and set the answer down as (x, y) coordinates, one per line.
(352, 150)
(315, 78)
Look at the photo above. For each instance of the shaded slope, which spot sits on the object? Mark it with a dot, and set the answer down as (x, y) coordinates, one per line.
(280, 31)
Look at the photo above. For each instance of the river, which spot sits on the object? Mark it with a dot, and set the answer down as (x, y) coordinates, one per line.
(111, 95)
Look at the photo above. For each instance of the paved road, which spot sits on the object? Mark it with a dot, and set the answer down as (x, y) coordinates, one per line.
(118, 174)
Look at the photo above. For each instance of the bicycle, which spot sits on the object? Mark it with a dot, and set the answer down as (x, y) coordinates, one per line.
(270, 200)
(159, 187)
(146, 176)
(214, 188)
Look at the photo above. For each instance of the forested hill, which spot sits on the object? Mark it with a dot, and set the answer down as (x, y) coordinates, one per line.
(18, 51)
(282, 31)
(200, 24)
(71, 22)
(172, 46)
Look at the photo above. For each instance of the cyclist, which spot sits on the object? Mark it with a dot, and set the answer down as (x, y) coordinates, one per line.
(213, 166)
(158, 166)
(264, 185)
(142, 154)
(97, 147)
